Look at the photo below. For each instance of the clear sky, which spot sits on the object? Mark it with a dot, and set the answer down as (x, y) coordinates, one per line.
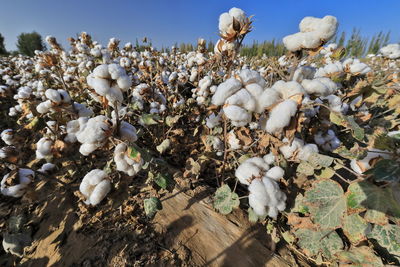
(168, 21)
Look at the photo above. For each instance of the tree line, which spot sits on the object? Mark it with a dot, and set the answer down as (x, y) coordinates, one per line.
(356, 45)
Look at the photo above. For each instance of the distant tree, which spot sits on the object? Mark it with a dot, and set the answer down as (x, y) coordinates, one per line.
(3, 50)
(29, 42)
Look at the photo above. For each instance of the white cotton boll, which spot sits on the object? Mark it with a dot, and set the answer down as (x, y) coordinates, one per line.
(64, 96)
(225, 90)
(251, 168)
(213, 120)
(249, 76)
(8, 137)
(72, 129)
(95, 186)
(124, 82)
(322, 86)
(238, 14)
(306, 151)
(233, 141)
(101, 86)
(293, 42)
(87, 148)
(44, 107)
(102, 72)
(53, 95)
(25, 177)
(115, 95)
(280, 116)
(237, 113)
(288, 89)
(43, 148)
(127, 132)
(100, 192)
(289, 149)
(268, 98)
(82, 110)
(276, 197)
(242, 98)
(391, 51)
(124, 162)
(360, 67)
(47, 168)
(116, 71)
(255, 90)
(303, 72)
(258, 197)
(269, 158)
(225, 22)
(275, 173)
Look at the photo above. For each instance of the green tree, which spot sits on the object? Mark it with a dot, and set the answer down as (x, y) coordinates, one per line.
(29, 42)
(3, 50)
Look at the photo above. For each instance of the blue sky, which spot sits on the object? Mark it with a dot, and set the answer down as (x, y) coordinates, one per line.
(169, 21)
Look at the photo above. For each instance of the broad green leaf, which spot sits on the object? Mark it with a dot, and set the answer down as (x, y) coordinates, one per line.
(151, 206)
(387, 236)
(225, 200)
(359, 257)
(149, 119)
(317, 159)
(313, 242)
(354, 227)
(326, 203)
(386, 170)
(355, 152)
(358, 132)
(366, 196)
(161, 180)
(305, 168)
(376, 217)
(326, 173)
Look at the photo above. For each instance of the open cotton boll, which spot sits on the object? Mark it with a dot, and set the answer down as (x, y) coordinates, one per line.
(213, 120)
(233, 141)
(306, 151)
(289, 149)
(275, 173)
(237, 114)
(251, 168)
(53, 95)
(127, 132)
(225, 90)
(238, 14)
(303, 72)
(322, 86)
(391, 51)
(124, 162)
(47, 168)
(288, 89)
(356, 67)
(258, 197)
(225, 22)
(242, 98)
(24, 176)
(82, 110)
(277, 199)
(280, 116)
(268, 98)
(269, 158)
(43, 148)
(250, 76)
(8, 137)
(336, 104)
(360, 166)
(95, 186)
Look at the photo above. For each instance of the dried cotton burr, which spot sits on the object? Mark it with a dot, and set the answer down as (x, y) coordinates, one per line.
(12, 188)
(124, 162)
(314, 32)
(265, 196)
(95, 186)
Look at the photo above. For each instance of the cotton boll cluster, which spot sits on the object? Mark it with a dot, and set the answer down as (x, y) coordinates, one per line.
(297, 149)
(56, 99)
(391, 51)
(124, 162)
(109, 81)
(95, 186)
(262, 181)
(333, 69)
(44, 148)
(360, 166)
(328, 141)
(92, 133)
(356, 67)
(8, 137)
(313, 33)
(196, 58)
(203, 90)
(15, 185)
(322, 86)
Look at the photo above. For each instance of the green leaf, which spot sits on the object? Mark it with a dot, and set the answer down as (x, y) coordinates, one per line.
(355, 152)
(163, 146)
(363, 196)
(305, 168)
(134, 153)
(348, 122)
(337, 118)
(317, 159)
(314, 242)
(326, 173)
(354, 227)
(359, 257)
(386, 170)
(387, 236)
(149, 119)
(151, 206)
(161, 180)
(326, 203)
(299, 205)
(225, 200)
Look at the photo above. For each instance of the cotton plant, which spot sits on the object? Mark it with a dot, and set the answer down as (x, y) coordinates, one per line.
(15, 184)
(314, 32)
(95, 186)
(265, 198)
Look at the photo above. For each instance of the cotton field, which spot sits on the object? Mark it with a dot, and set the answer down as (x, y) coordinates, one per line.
(306, 144)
